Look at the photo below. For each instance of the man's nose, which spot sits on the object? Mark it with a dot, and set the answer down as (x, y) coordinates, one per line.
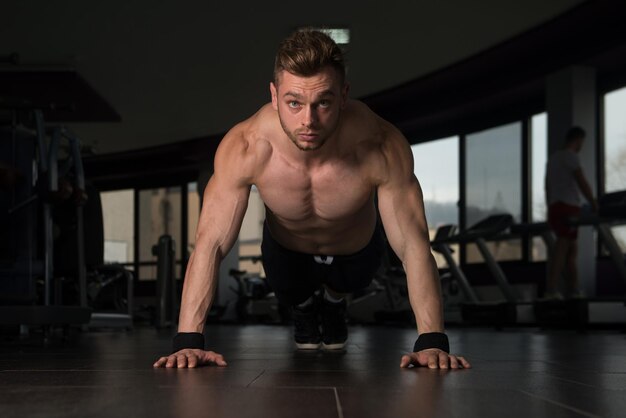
(310, 116)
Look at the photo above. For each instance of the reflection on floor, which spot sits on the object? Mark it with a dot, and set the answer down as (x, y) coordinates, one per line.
(525, 373)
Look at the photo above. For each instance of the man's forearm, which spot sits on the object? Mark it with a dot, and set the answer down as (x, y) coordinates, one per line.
(586, 189)
(198, 290)
(425, 293)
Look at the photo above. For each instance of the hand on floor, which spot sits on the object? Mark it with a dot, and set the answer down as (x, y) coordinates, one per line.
(434, 359)
(190, 358)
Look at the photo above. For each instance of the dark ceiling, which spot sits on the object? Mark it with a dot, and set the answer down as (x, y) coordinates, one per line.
(173, 71)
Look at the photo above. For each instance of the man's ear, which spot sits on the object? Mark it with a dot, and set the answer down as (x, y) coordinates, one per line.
(274, 92)
(344, 94)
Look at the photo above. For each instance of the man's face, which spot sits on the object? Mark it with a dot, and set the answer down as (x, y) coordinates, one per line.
(309, 108)
(578, 144)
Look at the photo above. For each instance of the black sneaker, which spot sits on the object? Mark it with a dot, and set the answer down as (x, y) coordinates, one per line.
(334, 328)
(307, 327)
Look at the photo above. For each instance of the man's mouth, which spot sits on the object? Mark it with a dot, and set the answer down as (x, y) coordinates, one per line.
(307, 136)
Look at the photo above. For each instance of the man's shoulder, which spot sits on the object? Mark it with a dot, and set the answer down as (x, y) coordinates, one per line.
(245, 147)
(360, 113)
(246, 135)
(366, 126)
(380, 144)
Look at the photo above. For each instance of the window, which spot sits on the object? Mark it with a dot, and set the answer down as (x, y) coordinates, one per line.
(159, 214)
(251, 233)
(615, 150)
(538, 213)
(118, 213)
(615, 140)
(493, 183)
(437, 169)
(341, 36)
(193, 216)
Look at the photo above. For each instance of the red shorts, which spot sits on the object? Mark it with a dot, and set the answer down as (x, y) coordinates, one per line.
(558, 215)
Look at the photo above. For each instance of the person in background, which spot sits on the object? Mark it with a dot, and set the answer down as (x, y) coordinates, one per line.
(565, 181)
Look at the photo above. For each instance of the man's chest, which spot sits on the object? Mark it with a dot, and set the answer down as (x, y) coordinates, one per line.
(333, 192)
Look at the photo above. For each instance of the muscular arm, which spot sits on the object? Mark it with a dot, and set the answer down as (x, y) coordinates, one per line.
(402, 210)
(224, 205)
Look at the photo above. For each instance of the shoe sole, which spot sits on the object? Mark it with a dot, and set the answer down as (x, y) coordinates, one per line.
(308, 346)
(336, 346)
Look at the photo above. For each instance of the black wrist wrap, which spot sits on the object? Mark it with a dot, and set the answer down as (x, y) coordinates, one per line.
(432, 340)
(188, 340)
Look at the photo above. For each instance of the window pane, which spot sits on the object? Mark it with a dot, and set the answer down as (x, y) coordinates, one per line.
(251, 233)
(118, 212)
(620, 236)
(159, 214)
(615, 140)
(494, 183)
(615, 149)
(193, 215)
(437, 169)
(539, 138)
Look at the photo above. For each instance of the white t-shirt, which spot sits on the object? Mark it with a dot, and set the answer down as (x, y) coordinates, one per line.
(560, 180)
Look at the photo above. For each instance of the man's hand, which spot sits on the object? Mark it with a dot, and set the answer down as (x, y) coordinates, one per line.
(190, 358)
(434, 359)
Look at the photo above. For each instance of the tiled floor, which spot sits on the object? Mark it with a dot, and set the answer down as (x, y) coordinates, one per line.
(517, 373)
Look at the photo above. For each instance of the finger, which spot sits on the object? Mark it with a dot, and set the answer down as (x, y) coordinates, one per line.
(219, 360)
(192, 360)
(160, 362)
(465, 363)
(454, 362)
(182, 361)
(405, 361)
(432, 361)
(443, 360)
(171, 361)
(215, 358)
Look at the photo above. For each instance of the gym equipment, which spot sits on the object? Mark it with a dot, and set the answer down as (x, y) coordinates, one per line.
(256, 302)
(166, 293)
(581, 312)
(498, 312)
(604, 311)
(550, 313)
(26, 208)
(455, 288)
(386, 299)
(51, 274)
(540, 229)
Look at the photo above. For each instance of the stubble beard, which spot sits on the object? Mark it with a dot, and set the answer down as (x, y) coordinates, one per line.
(323, 135)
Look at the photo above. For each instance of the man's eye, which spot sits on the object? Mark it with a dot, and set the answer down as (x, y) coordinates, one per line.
(324, 103)
(293, 104)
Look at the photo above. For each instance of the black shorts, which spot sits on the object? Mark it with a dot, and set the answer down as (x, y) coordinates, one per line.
(295, 276)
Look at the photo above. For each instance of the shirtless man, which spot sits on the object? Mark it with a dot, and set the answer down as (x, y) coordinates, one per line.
(318, 160)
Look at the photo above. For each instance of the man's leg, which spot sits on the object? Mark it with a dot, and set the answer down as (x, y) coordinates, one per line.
(332, 295)
(556, 266)
(571, 270)
(333, 319)
(349, 274)
(289, 275)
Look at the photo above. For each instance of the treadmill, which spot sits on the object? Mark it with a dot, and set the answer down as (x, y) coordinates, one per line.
(499, 312)
(552, 313)
(611, 212)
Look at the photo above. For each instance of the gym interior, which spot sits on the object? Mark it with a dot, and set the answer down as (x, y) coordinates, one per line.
(110, 117)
